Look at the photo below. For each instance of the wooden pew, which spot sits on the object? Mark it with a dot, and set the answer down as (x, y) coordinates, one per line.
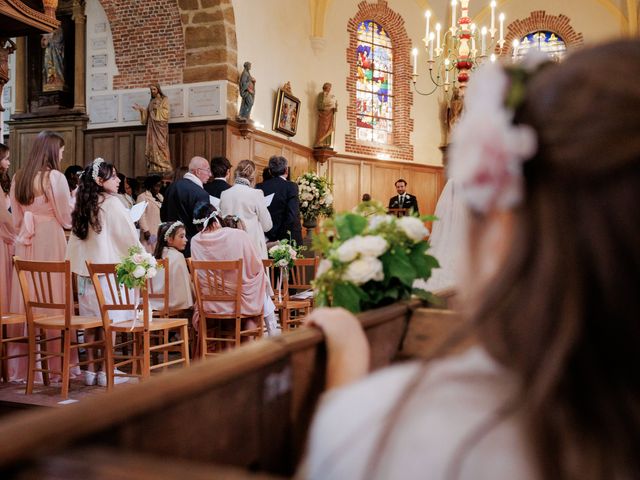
(250, 408)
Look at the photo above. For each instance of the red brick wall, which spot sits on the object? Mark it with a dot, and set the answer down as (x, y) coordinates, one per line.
(540, 20)
(148, 42)
(403, 97)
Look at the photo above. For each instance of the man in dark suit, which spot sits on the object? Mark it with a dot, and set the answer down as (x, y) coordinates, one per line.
(285, 207)
(403, 199)
(181, 197)
(220, 170)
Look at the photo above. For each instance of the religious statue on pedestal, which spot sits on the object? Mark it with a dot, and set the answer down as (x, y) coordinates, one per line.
(247, 87)
(327, 106)
(53, 61)
(156, 118)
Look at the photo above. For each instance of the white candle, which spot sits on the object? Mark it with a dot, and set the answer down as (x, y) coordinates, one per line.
(446, 71)
(453, 14)
(415, 61)
(493, 17)
(428, 16)
(502, 27)
(438, 27)
(516, 44)
(431, 38)
(483, 34)
(473, 39)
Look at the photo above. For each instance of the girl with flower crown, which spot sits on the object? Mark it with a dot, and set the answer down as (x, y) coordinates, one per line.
(102, 232)
(41, 210)
(172, 240)
(548, 162)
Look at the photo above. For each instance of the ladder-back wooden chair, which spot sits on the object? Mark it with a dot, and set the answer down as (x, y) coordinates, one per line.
(299, 281)
(12, 321)
(135, 349)
(218, 286)
(37, 280)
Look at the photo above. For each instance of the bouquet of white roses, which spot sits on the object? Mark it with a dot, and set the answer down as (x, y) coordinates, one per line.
(314, 193)
(371, 261)
(136, 268)
(284, 253)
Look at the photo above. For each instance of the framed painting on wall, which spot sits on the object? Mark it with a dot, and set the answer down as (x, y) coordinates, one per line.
(285, 116)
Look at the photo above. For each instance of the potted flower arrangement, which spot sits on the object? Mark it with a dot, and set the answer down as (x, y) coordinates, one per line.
(136, 268)
(314, 193)
(371, 261)
(284, 253)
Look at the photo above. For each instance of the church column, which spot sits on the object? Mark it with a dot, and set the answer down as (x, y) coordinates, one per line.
(20, 76)
(79, 18)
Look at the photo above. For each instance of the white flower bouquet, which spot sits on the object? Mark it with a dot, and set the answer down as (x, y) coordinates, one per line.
(314, 193)
(371, 261)
(284, 253)
(136, 268)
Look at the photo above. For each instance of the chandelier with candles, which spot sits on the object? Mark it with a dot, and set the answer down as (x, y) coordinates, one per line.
(454, 53)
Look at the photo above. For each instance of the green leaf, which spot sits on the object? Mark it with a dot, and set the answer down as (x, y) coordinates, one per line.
(347, 295)
(433, 300)
(349, 225)
(400, 266)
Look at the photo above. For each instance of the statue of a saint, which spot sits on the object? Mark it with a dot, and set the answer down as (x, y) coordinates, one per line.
(156, 118)
(327, 106)
(247, 92)
(53, 61)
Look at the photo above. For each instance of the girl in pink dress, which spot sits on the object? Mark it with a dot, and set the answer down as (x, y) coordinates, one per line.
(41, 210)
(7, 233)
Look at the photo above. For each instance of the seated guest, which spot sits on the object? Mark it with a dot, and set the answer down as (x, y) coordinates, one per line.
(285, 206)
(182, 196)
(403, 199)
(150, 219)
(216, 243)
(220, 171)
(551, 388)
(248, 203)
(172, 240)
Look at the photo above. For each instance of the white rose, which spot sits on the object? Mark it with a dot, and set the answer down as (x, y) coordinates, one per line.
(323, 267)
(305, 204)
(376, 220)
(151, 272)
(362, 270)
(139, 272)
(282, 263)
(151, 260)
(372, 246)
(328, 199)
(348, 250)
(414, 228)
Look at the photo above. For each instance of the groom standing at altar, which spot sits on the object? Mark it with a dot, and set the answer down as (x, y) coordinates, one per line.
(403, 199)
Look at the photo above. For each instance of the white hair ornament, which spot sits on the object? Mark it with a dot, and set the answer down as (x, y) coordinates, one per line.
(95, 169)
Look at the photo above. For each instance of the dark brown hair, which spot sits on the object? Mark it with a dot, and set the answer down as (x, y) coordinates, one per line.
(89, 198)
(563, 312)
(161, 243)
(44, 157)
(5, 179)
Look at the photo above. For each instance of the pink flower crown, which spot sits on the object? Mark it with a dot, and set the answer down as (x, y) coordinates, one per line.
(487, 150)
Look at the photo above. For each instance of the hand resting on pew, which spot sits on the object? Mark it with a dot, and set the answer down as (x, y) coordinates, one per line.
(347, 345)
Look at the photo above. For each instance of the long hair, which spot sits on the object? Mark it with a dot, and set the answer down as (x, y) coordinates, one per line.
(5, 179)
(161, 243)
(44, 157)
(562, 313)
(89, 198)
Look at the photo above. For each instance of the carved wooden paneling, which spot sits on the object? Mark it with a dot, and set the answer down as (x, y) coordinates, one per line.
(346, 185)
(194, 143)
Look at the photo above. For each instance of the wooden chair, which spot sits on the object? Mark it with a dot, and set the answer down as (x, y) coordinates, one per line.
(292, 310)
(221, 282)
(139, 330)
(36, 282)
(7, 319)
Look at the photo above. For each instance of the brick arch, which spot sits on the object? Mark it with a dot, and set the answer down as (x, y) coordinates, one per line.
(540, 20)
(148, 42)
(393, 23)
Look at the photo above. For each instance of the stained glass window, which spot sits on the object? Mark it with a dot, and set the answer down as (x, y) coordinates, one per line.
(548, 42)
(374, 92)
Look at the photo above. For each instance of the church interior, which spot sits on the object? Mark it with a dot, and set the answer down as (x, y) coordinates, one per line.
(361, 93)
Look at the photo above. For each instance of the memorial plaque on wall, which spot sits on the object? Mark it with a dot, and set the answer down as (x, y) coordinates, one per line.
(100, 27)
(99, 82)
(6, 94)
(204, 101)
(176, 102)
(99, 60)
(103, 109)
(128, 100)
(99, 43)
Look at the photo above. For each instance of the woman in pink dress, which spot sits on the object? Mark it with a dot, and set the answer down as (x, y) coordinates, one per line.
(7, 233)
(41, 210)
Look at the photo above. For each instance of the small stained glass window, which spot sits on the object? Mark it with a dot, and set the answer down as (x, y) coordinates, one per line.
(374, 93)
(548, 42)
